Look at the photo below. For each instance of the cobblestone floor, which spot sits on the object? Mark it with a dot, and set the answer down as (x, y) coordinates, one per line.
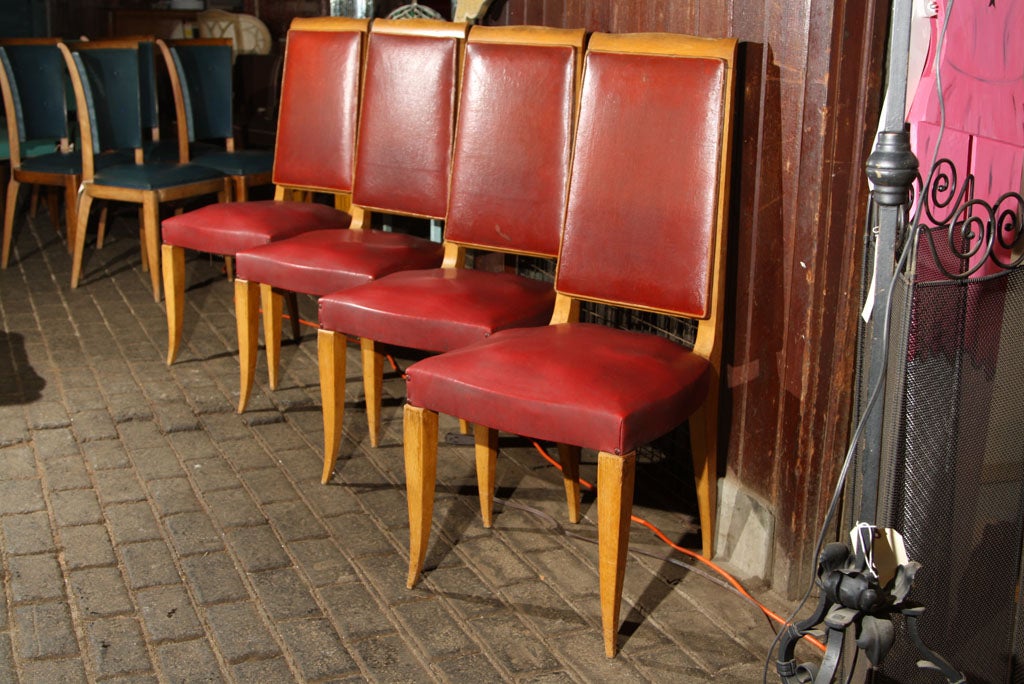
(151, 534)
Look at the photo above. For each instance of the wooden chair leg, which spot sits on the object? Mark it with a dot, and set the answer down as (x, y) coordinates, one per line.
(142, 240)
(486, 440)
(464, 426)
(33, 203)
(420, 428)
(71, 209)
(229, 268)
(704, 445)
(101, 233)
(84, 204)
(12, 200)
(174, 297)
(615, 477)
(151, 228)
(291, 300)
(569, 455)
(247, 304)
(331, 354)
(52, 205)
(373, 386)
(271, 302)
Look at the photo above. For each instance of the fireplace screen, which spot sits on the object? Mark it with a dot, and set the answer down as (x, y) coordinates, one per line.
(953, 455)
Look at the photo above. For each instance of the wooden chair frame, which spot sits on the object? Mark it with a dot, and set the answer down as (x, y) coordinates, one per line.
(271, 299)
(18, 175)
(333, 343)
(149, 200)
(240, 183)
(616, 473)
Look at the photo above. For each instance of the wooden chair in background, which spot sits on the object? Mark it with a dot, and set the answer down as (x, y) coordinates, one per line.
(644, 229)
(106, 79)
(510, 174)
(201, 79)
(33, 83)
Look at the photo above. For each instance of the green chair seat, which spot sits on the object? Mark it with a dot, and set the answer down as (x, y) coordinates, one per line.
(155, 175)
(238, 163)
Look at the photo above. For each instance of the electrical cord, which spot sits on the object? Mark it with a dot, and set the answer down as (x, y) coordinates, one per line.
(876, 389)
(730, 582)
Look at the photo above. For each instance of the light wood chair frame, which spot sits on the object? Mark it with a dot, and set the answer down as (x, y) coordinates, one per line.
(271, 299)
(18, 176)
(616, 473)
(149, 200)
(333, 343)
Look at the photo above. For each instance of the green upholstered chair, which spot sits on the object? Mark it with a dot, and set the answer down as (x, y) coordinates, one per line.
(38, 139)
(201, 78)
(110, 104)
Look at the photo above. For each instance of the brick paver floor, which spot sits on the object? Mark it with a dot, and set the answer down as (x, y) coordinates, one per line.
(149, 533)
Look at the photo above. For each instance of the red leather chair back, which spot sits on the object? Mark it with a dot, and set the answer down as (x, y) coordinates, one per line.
(513, 139)
(407, 115)
(316, 128)
(647, 196)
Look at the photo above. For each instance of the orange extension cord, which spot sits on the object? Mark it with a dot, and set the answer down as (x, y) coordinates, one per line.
(768, 612)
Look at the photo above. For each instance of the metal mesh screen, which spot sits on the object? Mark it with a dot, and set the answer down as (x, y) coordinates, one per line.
(954, 484)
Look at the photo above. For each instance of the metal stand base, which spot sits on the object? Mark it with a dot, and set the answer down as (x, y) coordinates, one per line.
(851, 596)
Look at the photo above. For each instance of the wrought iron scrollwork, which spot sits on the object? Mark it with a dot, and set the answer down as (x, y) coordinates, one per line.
(965, 235)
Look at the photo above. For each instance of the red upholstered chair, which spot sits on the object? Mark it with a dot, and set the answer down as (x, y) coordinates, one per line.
(314, 153)
(645, 228)
(510, 176)
(403, 160)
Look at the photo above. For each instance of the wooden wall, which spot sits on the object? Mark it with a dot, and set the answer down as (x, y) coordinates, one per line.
(810, 82)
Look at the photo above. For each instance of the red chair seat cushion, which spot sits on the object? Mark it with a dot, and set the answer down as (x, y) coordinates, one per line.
(439, 309)
(324, 261)
(230, 227)
(584, 384)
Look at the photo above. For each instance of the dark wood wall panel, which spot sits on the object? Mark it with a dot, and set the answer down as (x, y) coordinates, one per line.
(807, 93)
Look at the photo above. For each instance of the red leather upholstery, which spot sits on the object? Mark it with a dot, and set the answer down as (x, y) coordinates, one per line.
(642, 234)
(524, 141)
(323, 261)
(316, 129)
(439, 309)
(589, 385)
(405, 133)
(230, 228)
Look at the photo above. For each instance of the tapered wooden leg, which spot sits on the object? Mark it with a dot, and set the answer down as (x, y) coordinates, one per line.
(464, 426)
(569, 455)
(71, 209)
(704, 445)
(291, 300)
(229, 268)
(331, 356)
(174, 297)
(52, 206)
(271, 302)
(84, 204)
(247, 306)
(420, 428)
(373, 385)
(486, 440)
(615, 477)
(101, 232)
(12, 201)
(142, 240)
(33, 202)
(151, 228)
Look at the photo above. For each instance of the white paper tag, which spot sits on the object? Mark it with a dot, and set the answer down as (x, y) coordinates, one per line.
(883, 550)
(869, 299)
